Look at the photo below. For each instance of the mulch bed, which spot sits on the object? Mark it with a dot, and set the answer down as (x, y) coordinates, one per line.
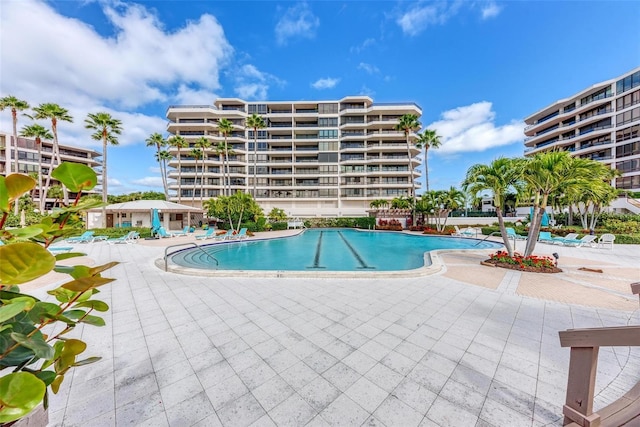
(528, 269)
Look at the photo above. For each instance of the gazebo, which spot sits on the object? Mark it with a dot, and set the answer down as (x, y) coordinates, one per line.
(138, 214)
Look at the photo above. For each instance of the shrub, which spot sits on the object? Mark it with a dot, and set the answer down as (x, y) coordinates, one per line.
(279, 226)
(530, 261)
(119, 231)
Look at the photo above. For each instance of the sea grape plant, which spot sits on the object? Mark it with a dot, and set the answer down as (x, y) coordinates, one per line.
(34, 335)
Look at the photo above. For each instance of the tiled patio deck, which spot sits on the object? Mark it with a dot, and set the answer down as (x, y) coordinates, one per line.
(434, 350)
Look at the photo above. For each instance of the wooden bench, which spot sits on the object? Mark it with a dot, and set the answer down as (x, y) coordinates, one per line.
(585, 344)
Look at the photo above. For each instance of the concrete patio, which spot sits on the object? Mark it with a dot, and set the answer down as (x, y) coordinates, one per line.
(463, 347)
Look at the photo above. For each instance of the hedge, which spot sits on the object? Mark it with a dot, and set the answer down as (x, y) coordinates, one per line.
(119, 231)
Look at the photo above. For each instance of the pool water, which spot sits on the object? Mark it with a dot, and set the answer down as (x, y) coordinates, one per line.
(326, 250)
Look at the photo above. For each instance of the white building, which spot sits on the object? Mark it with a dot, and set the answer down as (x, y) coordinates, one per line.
(601, 122)
(28, 160)
(314, 158)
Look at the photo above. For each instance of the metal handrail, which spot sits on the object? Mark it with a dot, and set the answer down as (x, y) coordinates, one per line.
(185, 244)
(491, 234)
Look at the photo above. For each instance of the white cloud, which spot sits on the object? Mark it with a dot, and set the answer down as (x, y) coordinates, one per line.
(326, 83)
(369, 68)
(149, 181)
(135, 66)
(194, 96)
(362, 46)
(252, 83)
(472, 128)
(420, 16)
(490, 10)
(297, 21)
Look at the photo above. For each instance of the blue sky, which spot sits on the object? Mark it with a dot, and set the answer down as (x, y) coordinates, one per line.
(477, 68)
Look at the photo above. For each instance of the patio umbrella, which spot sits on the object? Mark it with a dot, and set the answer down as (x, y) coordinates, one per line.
(155, 221)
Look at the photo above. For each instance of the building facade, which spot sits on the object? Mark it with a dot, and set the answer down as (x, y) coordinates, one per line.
(28, 160)
(601, 123)
(313, 158)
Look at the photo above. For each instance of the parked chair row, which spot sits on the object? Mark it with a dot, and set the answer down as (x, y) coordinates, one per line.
(86, 237)
(571, 239)
(229, 235)
(467, 232)
(131, 237)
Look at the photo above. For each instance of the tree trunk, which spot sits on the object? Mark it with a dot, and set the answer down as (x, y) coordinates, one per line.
(533, 237)
(104, 181)
(179, 177)
(412, 190)
(14, 116)
(503, 231)
(202, 180)
(426, 170)
(255, 159)
(47, 184)
(40, 198)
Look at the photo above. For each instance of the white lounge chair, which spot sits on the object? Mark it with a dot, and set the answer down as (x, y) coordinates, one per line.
(606, 239)
(131, 237)
(568, 237)
(467, 232)
(588, 240)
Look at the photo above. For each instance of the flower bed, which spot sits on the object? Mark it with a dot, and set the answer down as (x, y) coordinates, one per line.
(533, 263)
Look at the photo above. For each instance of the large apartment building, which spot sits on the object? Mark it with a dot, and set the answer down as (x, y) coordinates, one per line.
(28, 159)
(314, 158)
(601, 123)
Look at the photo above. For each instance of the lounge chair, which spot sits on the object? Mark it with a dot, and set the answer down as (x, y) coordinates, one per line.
(241, 235)
(511, 233)
(59, 249)
(226, 236)
(589, 240)
(181, 233)
(606, 239)
(131, 237)
(86, 237)
(545, 237)
(467, 232)
(568, 237)
(163, 233)
(206, 235)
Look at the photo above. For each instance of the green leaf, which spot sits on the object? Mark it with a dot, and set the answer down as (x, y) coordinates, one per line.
(8, 311)
(74, 314)
(55, 385)
(23, 262)
(74, 347)
(94, 304)
(4, 195)
(86, 283)
(17, 185)
(25, 232)
(75, 176)
(93, 320)
(36, 343)
(68, 255)
(46, 376)
(101, 268)
(43, 310)
(87, 361)
(20, 393)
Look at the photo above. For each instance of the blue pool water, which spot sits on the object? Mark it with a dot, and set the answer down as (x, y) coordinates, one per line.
(326, 250)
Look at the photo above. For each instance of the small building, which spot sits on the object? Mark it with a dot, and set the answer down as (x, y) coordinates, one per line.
(173, 216)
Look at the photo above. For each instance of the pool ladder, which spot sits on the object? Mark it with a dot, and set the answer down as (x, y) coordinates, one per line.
(185, 244)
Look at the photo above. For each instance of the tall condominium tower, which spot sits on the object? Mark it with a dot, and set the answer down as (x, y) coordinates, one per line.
(601, 122)
(313, 158)
(28, 160)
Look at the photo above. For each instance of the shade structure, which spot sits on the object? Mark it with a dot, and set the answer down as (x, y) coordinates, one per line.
(140, 212)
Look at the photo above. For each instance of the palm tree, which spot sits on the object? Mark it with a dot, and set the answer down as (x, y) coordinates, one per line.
(204, 144)
(55, 113)
(158, 141)
(15, 105)
(427, 139)
(162, 157)
(39, 133)
(256, 122)
(226, 127)
(408, 123)
(196, 153)
(179, 142)
(107, 128)
(502, 176)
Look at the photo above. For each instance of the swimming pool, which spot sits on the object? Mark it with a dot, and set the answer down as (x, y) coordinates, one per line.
(325, 250)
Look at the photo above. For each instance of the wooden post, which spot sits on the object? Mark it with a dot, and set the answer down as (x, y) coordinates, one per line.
(580, 388)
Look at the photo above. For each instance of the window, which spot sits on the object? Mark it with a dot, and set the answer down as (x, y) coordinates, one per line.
(628, 149)
(331, 108)
(328, 146)
(628, 100)
(628, 116)
(262, 134)
(628, 82)
(258, 108)
(628, 133)
(326, 122)
(328, 169)
(328, 181)
(628, 182)
(328, 157)
(632, 165)
(601, 94)
(328, 134)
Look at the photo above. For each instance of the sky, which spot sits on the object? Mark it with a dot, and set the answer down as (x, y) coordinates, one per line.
(477, 68)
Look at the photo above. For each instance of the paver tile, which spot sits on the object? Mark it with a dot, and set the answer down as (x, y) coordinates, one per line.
(366, 394)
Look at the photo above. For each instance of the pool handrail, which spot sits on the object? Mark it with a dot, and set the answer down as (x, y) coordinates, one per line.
(185, 244)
